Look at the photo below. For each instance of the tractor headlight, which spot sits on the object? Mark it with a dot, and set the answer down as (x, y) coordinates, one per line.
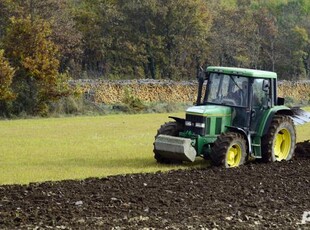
(200, 125)
(188, 123)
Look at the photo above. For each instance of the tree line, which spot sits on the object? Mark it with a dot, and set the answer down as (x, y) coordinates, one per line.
(44, 43)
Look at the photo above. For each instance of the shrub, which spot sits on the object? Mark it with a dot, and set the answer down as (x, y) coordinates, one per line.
(133, 103)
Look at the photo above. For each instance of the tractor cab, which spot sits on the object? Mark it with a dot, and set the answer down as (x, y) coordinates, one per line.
(248, 96)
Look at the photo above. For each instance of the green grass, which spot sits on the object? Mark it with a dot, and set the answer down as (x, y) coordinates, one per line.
(303, 131)
(36, 150)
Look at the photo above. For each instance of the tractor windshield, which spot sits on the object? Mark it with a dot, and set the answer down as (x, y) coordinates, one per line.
(226, 89)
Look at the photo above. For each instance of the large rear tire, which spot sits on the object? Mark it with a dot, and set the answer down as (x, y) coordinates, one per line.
(280, 141)
(171, 128)
(229, 150)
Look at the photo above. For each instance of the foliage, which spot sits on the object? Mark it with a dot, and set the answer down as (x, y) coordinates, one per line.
(63, 27)
(171, 39)
(35, 56)
(132, 103)
(6, 77)
(158, 39)
(154, 39)
(234, 39)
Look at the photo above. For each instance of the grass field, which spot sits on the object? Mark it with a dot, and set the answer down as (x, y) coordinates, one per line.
(78, 147)
(37, 150)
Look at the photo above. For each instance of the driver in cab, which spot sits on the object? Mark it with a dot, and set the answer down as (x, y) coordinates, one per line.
(240, 96)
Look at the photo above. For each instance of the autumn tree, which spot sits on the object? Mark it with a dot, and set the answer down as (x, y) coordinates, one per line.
(35, 56)
(6, 77)
(64, 33)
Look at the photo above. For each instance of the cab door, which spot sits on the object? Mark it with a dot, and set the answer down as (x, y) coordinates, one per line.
(261, 101)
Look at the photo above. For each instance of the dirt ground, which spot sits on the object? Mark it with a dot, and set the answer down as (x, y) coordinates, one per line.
(254, 196)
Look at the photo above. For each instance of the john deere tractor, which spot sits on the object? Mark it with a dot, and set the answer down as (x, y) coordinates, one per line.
(237, 116)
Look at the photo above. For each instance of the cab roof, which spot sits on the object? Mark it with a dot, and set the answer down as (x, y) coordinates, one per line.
(242, 71)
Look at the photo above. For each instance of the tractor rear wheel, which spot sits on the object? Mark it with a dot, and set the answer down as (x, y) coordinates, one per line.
(280, 141)
(171, 128)
(229, 150)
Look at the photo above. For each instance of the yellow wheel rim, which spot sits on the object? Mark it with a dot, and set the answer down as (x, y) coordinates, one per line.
(233, 156)
(282, 145)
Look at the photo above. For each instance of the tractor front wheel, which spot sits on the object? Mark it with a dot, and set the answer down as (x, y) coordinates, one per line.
(229, 150)
(171, 128)
(279, 143)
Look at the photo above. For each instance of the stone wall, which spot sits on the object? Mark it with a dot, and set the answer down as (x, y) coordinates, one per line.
(111, 92)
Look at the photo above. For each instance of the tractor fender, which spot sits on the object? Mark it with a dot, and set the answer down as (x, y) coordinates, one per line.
(243, 133)
(178, 120)
(268, 116)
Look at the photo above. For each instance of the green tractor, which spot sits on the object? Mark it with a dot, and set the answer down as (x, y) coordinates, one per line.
(237, 116)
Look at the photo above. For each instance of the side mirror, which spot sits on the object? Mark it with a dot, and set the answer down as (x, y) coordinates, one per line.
(266, 85)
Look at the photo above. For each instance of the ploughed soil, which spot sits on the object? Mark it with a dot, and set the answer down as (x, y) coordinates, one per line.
(253, 196)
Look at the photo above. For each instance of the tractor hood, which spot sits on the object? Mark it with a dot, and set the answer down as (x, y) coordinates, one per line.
(210, 111)
(208, 120)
